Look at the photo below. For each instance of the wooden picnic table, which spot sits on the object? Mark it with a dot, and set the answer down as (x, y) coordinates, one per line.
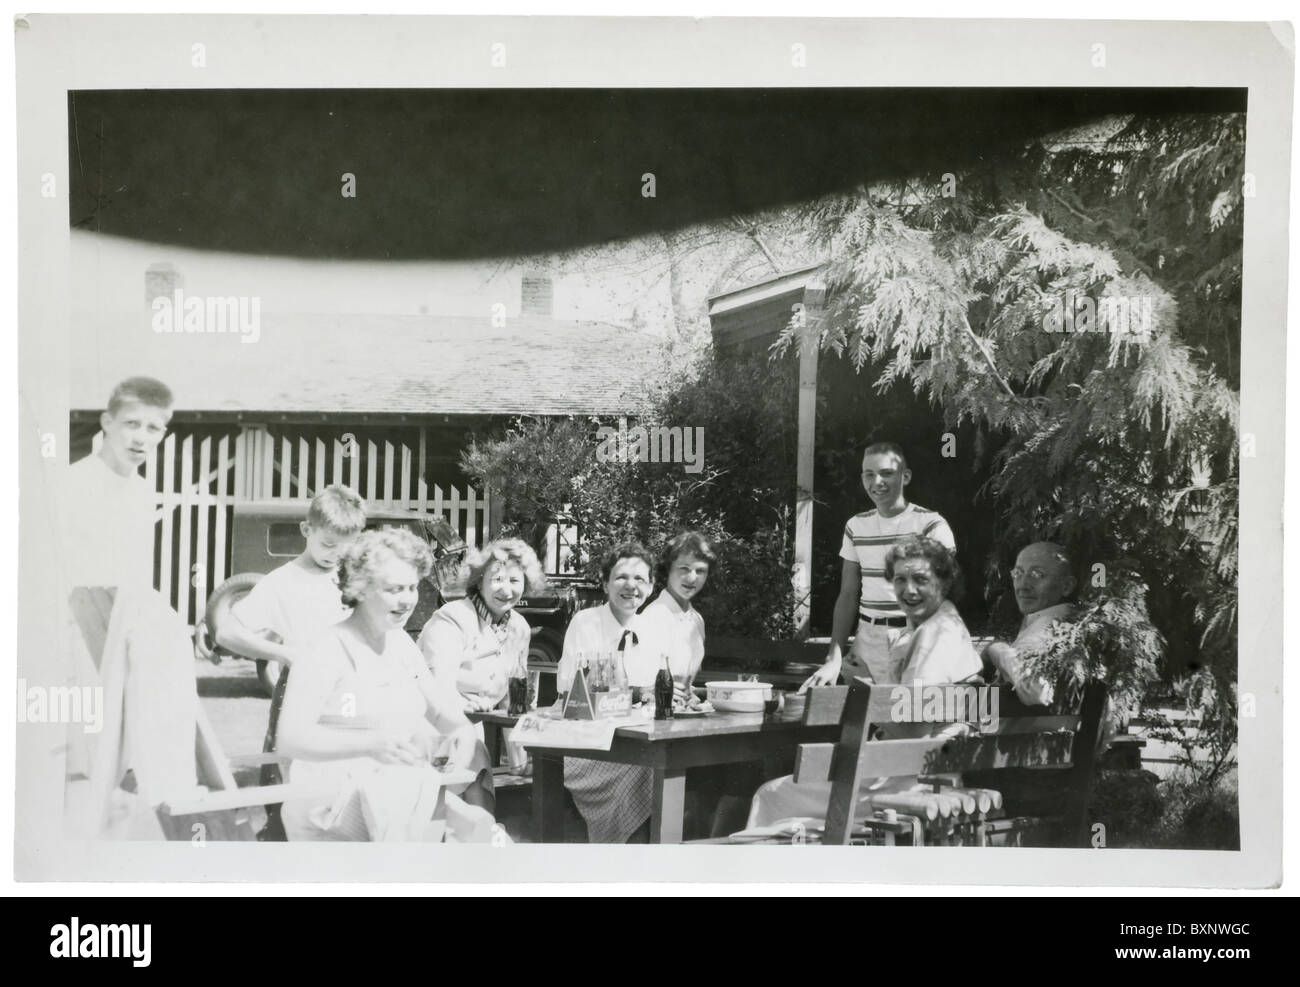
(668, 748)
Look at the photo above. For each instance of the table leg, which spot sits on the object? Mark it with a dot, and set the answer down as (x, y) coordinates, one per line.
(667, 817)
(492, 735)
(548, 799)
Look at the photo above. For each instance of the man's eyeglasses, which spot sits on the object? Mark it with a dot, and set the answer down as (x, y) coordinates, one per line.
(1034, 574)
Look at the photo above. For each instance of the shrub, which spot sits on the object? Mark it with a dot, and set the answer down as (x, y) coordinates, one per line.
(547, 468)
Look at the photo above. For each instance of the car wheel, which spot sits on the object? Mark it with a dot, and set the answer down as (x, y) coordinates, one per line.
(544, 648)
(543, 656)
(217, 612)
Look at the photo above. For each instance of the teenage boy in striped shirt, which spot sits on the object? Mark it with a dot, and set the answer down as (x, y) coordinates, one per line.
(865, 595)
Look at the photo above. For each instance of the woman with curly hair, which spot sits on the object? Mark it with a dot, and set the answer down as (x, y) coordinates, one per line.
(478, 642)
(363, 719)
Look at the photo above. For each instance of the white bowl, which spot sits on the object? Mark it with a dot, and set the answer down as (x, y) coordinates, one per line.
(739, 697)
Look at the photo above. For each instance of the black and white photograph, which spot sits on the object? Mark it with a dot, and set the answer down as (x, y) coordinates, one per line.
(612, 448)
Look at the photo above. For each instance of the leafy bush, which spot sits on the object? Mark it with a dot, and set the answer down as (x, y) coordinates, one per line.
(1193, 816)
(1127, 803)
(1206, 735)
(547, 468)
(1141, 811)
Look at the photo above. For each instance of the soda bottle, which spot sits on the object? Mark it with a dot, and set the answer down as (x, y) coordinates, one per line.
(518, 687)
(664, 692)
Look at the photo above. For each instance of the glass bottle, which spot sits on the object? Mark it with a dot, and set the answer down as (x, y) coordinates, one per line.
(664, 692)
(519, 688)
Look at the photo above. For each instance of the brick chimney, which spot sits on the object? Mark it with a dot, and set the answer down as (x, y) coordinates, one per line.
(535, 295)
(161, 280)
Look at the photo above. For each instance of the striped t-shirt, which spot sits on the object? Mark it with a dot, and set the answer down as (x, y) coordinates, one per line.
(867, 539)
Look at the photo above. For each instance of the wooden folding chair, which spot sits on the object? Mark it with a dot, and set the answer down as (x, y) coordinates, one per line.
(215, 807)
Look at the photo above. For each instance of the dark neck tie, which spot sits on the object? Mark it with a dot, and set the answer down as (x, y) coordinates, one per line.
(622, 642)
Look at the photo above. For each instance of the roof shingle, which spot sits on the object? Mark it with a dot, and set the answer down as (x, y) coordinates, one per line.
(375, 364)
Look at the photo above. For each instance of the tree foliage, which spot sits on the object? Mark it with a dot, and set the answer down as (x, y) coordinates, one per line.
(548, 468)
(1120, 445)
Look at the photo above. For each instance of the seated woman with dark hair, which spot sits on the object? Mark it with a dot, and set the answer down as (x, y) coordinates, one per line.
(684, 566)
(363, 718)
(935, 648)
(480, 641)
(614, 799)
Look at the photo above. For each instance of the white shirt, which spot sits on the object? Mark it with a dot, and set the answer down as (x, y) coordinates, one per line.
(108, 526)
(1034, 632)
(596, 630)
(936, 651)
(688, 624)
(294, 602)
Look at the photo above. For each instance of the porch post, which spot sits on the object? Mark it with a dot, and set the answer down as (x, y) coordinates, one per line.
(814, 299)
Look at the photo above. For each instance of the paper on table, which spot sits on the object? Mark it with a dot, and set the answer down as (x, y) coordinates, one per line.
(533, 730)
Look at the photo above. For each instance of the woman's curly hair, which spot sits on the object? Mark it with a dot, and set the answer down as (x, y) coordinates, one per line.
(943, 563)
(505, 551)
(371, 550)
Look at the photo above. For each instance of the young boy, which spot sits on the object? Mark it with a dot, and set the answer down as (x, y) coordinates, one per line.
(864, 591)
(294, 603)
(109, 514)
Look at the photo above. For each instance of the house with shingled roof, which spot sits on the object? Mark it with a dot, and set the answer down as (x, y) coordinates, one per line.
(384, 403)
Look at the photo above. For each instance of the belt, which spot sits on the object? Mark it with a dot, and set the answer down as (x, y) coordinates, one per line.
(885, 621)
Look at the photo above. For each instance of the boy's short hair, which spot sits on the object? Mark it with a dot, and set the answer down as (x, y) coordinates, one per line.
(140, 390)
(338, 508)
(885, 449)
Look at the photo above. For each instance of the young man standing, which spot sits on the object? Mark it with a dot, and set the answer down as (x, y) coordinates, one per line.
(145, 673)
(110, 508)
(865, 595)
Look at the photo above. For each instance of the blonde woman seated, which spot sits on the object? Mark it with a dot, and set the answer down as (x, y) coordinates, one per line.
(933, 649)
(363, 719)
(479, 642)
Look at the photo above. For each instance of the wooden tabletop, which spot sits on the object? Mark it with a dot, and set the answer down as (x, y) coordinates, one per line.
(717, 724)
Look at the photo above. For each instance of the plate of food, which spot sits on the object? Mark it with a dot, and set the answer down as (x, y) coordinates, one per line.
(694, 708)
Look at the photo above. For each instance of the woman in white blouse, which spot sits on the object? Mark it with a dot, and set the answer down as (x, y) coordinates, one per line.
(684, 566)
(615, 799)
(363, 718)
(639, 640)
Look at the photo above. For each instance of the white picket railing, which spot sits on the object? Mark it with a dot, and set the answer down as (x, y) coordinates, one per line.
(198, 480)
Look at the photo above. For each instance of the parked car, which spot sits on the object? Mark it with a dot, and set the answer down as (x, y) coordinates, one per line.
(549, 613)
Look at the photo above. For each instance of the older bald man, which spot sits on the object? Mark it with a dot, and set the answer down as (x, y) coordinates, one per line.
(1043, 578)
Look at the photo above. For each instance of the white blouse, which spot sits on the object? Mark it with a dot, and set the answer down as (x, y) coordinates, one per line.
(596, 630)
(688, 624)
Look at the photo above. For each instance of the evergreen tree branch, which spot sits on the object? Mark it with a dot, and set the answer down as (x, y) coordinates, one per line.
(1053, 194)
(988, 358)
